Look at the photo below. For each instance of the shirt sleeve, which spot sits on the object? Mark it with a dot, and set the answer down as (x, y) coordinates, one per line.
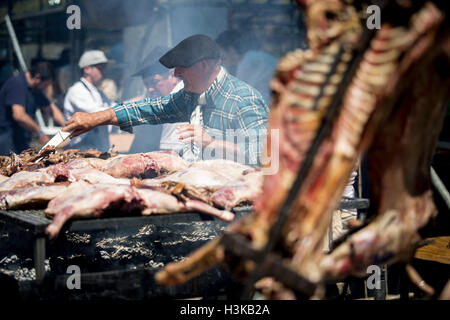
(16, 95)
(168, 109)
(251, 124)
(41, 100)
(79, 101)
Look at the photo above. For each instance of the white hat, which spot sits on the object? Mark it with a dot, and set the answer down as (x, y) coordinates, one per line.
(92, 57)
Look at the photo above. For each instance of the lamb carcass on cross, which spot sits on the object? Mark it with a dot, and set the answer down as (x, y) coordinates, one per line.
(355, 90)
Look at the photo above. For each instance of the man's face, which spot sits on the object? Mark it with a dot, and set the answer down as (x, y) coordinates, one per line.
(160, 85)
(193, 77)
(42, 85)
(39, 84)
(95, 72)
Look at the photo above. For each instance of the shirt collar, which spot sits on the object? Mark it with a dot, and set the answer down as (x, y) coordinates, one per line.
(213, 90)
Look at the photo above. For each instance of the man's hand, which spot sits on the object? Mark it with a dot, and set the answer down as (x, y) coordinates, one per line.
(194, 133)
(82, 122)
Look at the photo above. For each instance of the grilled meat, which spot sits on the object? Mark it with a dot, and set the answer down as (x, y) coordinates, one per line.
(25, 161)
(82, 200)
(28, 198)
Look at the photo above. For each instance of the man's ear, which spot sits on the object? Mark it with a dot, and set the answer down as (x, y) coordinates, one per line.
(204, 65)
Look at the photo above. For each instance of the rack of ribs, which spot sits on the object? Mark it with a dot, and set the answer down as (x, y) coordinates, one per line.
(355, 90)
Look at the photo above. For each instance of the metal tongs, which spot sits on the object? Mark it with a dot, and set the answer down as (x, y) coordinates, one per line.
(57, 139)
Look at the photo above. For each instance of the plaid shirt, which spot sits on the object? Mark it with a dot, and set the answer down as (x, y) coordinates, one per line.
(234, 111)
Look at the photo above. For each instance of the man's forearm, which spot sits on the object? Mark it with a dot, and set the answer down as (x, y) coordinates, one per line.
(24, 120)
(82, 122)
(28, 124)
(107, 116)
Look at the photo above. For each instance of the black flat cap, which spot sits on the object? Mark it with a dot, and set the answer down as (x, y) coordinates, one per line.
(150, 65)
(191, 50)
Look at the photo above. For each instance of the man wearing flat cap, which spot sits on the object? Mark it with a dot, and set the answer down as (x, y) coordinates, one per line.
(85, 96)
(216, 105)
(159, 81)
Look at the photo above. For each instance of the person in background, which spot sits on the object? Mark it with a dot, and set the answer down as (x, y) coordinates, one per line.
(215, 103)
(159, 81)
(84, 96)
(63, 77)
(244, 58)
(20, 97)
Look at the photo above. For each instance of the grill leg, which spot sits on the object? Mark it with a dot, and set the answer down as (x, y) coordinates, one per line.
(39, 258)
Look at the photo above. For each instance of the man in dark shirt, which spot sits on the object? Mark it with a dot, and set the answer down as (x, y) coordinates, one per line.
(20, 97)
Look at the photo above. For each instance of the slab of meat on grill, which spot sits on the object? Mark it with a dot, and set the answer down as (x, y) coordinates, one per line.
(88, 204)
(30, 198)
(192, 183)
(394, 104)
(58, 173)
(134, 165)
(72, 191)
(95, 163)
(96, 170)
(82, 200)
(144, 165)
(228, 168)
(157, 202)
(168, 161)
(3, 178)
(26, 179)
(141, 165)
(200, 180)
(240, 191)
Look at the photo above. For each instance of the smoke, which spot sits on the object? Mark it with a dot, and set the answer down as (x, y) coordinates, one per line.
(172, 24)
(147, 24)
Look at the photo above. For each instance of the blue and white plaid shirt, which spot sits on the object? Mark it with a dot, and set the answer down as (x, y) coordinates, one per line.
(234, 111)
